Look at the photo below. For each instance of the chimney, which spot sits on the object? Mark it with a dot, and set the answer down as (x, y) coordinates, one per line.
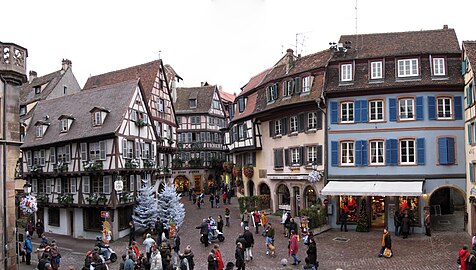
(289, 59)
(65, 64)
(445, 26)
(202, 84)
(32, 76)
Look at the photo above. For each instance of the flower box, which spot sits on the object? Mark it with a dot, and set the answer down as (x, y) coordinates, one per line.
(248, 171)
(66, 199)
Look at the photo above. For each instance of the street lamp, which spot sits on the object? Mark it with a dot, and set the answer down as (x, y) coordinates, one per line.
(27, 188)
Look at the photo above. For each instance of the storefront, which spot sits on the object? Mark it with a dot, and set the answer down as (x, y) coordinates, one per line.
(379, 200)
(182, 183)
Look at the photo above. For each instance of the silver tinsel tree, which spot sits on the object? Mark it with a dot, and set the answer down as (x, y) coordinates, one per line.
(146, 212)
(170, 209)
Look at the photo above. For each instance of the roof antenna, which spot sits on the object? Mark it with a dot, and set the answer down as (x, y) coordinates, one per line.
(159, 53)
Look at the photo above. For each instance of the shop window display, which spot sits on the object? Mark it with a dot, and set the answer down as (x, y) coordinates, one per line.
(410, 205)
(349, 205)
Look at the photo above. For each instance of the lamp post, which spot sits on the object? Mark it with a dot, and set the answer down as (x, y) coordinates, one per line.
(27, 188)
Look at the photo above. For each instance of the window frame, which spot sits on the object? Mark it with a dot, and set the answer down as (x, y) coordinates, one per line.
(293, 124)
(402, 71)
(192, 103)
(450, 103)
(97, 118)
(349, 153)
(39, 131)
(346, 72)
(311, 153)
(306, 84)
(346, 104)
(406, 109)
(295, 156)
(278, 128)
(376, 113)
(408, 155)
(312, 120)
(376, 70)
(441, 66)
(64, 125)
(378, 156)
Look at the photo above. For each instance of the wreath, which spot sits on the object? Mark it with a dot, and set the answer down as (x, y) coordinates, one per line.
(314, 177)
(28, 205)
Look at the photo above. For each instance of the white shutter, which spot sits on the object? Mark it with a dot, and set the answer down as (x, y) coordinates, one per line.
(48, 186)
(144, 155)
(34, 185)
(73, 184)
(84, 151)
(86, 184)
(152, 151)
(124, 148)
(67, 153)
(52, 155)
(138, 182)
(28, 158)
(131, 183)
(58, 185)
(106, 184)
(137, 150)
(102, 150)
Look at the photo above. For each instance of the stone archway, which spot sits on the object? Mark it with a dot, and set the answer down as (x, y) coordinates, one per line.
(263, 190)
(181, 183)
(283, 197)
(310, 196)
(447, 208)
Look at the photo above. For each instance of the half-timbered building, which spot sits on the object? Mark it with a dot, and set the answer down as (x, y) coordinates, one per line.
(78, 146)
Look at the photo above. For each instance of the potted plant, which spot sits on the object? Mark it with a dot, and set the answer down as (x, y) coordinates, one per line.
(93, 165)
(36, 168)
(149, 163)
(472, 200)
(102, 199)
(228, 166)
(65, 199)
(141, 123)
(42, 198)
(92, 198)
(237, 170)
(248, 171)
(125, 197)
(132, 163)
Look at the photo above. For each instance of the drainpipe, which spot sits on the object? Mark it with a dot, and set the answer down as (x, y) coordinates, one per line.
(4, 177)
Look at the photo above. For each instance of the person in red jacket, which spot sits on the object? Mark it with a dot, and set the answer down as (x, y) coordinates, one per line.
(221, 265)
(463, 255)
(294, 248)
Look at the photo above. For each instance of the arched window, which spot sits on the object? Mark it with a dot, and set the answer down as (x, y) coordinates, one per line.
(310, 197)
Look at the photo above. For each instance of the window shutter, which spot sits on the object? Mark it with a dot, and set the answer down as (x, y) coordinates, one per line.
(245, 131)
(73, 184)
(419, 108)
(391, 153)
(319, 155)
(102, 150)
(319, 119)
(124, 148)
(420, 144)
(473, 140)
(275, 155)
(58, 185)
(52, 155)
(468, 100)
(86, 184)
(286, 157)
(463, 67)
(48, 186)
(301, 156)
(284, 126)
(334, 154)
(280, 157)
(271, 129)
(84, 151)
(357, 111)
(364, 111)
(471, 173)
(469, 134)
(301, 122)
(34, 186)
(392, 107)
(451, 150)
(442, 151)
(131, 183)
(138, 150)
(297, 85)
(334, 112)
(364, 153)
(358, 153)
(67, 153)
(458, 108)
(431, 108)
(106, 187)
(395, 152)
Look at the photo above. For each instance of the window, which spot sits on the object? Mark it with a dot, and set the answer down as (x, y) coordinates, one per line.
(278, 129)
(446, 151)
(193, 103)
(242, 131)
(134, 115)
(68, 185)
(306, 84)
(39, 157)
(377, 153)
(86, 184)
(312, 155)
(97, 119)
(127, 149)
(272, 92)
(312, 120)
(64, 154)
(64, 125)
(97, 184)
(410, 205)
(37, 90)
(406, 109)
(295, 156)
(241, 104)
(160, 105)
(444, 108)
(216, 104)
(54, 216)
(146, 150)
(195, 120)
(407, 151)
(211, 120)
(52, 155)
(376, 110)
(179, 120)
(439, 66)
(346, 72)
(293, 124)
(22, 110)
(39, 131)
(347, 112)
(91, 220)
(124, 214)
(288, 88)
(407, 67)
(97, 150)
(376, 70)
(347, 153)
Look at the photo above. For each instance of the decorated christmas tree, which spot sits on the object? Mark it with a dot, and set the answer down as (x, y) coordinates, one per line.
(145, 213)
(363, 220)
(170, 209)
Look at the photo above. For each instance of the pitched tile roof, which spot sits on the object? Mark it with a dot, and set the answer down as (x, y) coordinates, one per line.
(254, 81)
(440, 41)
(145, 72)
(170, 73)
(27, 90)
(227, 97)
(115, 98)
(203, 95)
(470, 49)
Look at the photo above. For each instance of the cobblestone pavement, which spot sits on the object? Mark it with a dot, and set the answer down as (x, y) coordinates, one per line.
(418, 252)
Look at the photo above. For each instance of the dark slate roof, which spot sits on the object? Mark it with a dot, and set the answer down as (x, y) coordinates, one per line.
(203, 95)
(441, 41)
(470, 49)
(115, 98)
(27, 91)
(146, 73)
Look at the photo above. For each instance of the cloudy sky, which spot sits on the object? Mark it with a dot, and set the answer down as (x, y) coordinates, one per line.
(224, 42)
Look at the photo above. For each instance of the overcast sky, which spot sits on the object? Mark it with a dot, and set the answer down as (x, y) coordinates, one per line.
(224, 42)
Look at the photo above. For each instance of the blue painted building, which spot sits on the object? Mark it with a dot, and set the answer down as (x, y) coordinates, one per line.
(395, 127)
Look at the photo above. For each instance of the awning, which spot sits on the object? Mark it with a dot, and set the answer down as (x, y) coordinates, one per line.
(373, 188)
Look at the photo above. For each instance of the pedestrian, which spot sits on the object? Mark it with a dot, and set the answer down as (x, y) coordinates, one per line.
(287, 223)
(204, 231)
(199, 202)
(217, 200)
(212, 260)
(343, 219)
(129, 263)
(30, 228)
(292, 226)
(256, 220)
(405, 226)
(43, 261)
(245, 219)
(294, 248)
(471, 260)
(397, 221)
(220, 264)
(386, 247)
(229, 194)
(264, 222)
(135, 248)
(223, 196)
(239, 257)
(308, 265)
(312, 252)
(132, 232)
(176, 249)
(28, 249)
(269, 239)
(227, 216)
(190, 194)
(283, 221)
(55, 255)
(212, 199)
(230, 266)
(40, 228)
(220, 223)
(462, 256)
(148, 242)
(427, 223)
(44, 241)
(250, 241)
(156, 260)
(188, 255)
(159, 229)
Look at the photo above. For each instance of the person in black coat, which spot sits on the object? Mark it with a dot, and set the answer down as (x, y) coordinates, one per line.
(312, 252)
(292, 227)
(220, 223)
(212, 261)
(239, 257)
(204, 231)
(132, 232)
(250, 241)
(159, 229)
(343, 220)
(406, 222)
(40, 228)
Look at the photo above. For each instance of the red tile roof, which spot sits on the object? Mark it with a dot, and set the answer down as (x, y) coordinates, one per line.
(470, 49)
(227, 96)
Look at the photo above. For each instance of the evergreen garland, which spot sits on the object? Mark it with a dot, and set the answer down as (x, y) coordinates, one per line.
(363, 219)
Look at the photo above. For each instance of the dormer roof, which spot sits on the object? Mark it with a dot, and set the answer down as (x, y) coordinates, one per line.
(203, 95)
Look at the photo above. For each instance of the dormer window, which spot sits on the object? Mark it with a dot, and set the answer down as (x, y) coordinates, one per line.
(40, 129)
(439, 66)
(346, 72)
(22, 110)
(241, 105)
(37, 90)
(64, 125)
(376, 70)
(408, 67)
(193, 103)
(98, 115)
(97, 119)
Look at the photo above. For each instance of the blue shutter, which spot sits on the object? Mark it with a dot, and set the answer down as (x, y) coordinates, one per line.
(391, 152)
(334, 112)
(358, 153)
(442, 151)
(458, 108)
(364, 153)
(432, 108)
(463, 67)
(419, 108)
(364, 112)
(392, 106)
(334, 154)
(468, 102)
(471, 176)
(469, 134)
(357, 116)
(451, 150)
(395, 152)
(420, 144)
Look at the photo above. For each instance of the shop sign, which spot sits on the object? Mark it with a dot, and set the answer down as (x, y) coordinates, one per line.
(284, 207)
(288, 177)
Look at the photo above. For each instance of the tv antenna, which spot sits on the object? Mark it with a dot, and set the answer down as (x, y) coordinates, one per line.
(300, 42)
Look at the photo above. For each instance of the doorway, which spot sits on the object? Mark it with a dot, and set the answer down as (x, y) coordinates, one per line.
(377, 212)
(251, 188)
(447, 208)
(297, 201)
